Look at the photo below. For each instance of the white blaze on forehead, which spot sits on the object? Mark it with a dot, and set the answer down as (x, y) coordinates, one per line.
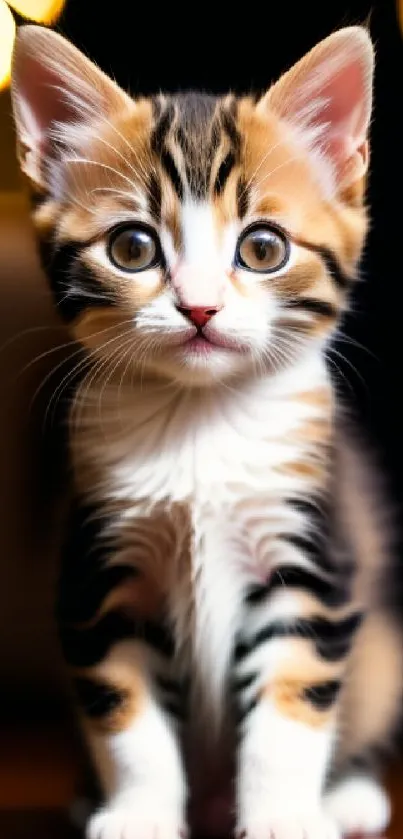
(200, 278)
(200, 234)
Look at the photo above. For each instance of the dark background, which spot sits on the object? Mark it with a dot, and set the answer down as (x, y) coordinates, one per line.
(244, 46)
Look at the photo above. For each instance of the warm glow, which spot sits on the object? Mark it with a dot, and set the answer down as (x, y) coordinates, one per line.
(41, 11)
(400, 12)
(7, 34)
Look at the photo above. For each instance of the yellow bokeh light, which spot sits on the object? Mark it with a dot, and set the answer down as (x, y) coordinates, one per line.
(41, 11)
(7, 35)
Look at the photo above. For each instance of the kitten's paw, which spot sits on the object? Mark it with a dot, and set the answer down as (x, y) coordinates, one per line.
(359, 805)
(136, 819)
(289, 825)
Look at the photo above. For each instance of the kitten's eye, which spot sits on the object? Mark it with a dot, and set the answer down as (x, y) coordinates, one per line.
(134, 248)
(262, 249)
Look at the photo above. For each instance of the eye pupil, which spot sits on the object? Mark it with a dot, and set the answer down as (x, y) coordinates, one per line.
(262, 249)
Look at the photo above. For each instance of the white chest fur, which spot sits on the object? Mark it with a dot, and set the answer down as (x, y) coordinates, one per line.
(216, 454)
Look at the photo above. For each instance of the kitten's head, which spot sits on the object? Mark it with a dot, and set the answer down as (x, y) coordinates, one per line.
(193, 236)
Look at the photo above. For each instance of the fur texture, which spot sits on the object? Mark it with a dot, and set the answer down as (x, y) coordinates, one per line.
(224, 603)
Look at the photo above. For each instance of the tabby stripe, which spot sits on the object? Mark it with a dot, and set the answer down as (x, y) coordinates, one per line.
(292, 576)
(323, 695)
(158, 137)
(242, 198)
(310, 508)
(228, 121)
(162, 125)
(82, 597)
(85, 647)
(315, 307)
(75, 287)
(243, 711)
(316, 551)
(171, 170)
(330, 260)
(96, 698)
(241, 683)
(223, 173)
(332, 639)
(155, 196)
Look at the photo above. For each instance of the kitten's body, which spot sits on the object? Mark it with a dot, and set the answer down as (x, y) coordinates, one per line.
(224, 601)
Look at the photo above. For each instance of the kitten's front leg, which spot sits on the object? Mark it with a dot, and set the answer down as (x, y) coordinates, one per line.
(289, 665)
(139, 763)
(120, 655)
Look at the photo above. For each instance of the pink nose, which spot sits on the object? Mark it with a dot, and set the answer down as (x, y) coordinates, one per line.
(199, 315)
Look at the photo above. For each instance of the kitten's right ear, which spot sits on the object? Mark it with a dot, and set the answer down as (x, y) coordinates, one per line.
(55, 89)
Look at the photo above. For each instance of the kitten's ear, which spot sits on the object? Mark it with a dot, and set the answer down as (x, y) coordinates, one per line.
(55, 89)
(327, 98)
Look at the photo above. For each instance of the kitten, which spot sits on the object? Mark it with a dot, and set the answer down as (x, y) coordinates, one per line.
(224, 604)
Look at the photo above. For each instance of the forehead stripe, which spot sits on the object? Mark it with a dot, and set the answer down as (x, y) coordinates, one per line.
(158, 138)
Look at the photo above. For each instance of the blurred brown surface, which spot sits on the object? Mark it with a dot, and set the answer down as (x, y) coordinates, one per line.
(30, 498)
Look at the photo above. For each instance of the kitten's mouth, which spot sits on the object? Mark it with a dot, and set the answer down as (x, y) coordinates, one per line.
(203, 343)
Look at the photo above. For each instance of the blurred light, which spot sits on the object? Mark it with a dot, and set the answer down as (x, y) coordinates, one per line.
(400, 13)
(41, 11)
(7, 34)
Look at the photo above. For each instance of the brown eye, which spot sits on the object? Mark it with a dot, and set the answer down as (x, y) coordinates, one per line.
(262, 249)
(134, 248)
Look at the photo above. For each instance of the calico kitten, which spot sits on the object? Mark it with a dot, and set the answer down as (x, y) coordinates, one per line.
(224, 606)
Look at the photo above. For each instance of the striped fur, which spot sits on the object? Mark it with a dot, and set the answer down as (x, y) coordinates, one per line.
(224, 579)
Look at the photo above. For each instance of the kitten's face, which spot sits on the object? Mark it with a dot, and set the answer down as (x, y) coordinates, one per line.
(195, 237)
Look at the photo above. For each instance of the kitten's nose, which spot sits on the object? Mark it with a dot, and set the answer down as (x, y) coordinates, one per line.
(199, 315)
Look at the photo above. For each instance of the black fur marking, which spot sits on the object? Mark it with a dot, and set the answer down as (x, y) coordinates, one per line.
(223, 173)
(242, 198)
(332, 639)
(330, 592)
(155, 196)
(323, 695)
(316, 307)
(228, 118)
(332, 264)
(74, 286)
(241, 683)
(243, 712)
(85, 581)
(161, 128)
(315, 548)
(172, 172)
(98, 699)
(86, 647)
(85, 553)
(83, 597)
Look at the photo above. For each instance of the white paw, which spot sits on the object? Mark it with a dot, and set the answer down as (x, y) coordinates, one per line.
(135, 818)
(290, 825)
(358, 805)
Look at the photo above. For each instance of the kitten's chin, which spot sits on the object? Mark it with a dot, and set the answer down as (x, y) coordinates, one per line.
(201, 368)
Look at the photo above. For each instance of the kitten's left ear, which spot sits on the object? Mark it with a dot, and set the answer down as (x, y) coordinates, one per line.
(327, 98)
(55, 91)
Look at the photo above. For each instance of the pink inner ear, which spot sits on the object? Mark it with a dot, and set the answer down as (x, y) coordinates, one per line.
(345, 113)
(41, 101)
